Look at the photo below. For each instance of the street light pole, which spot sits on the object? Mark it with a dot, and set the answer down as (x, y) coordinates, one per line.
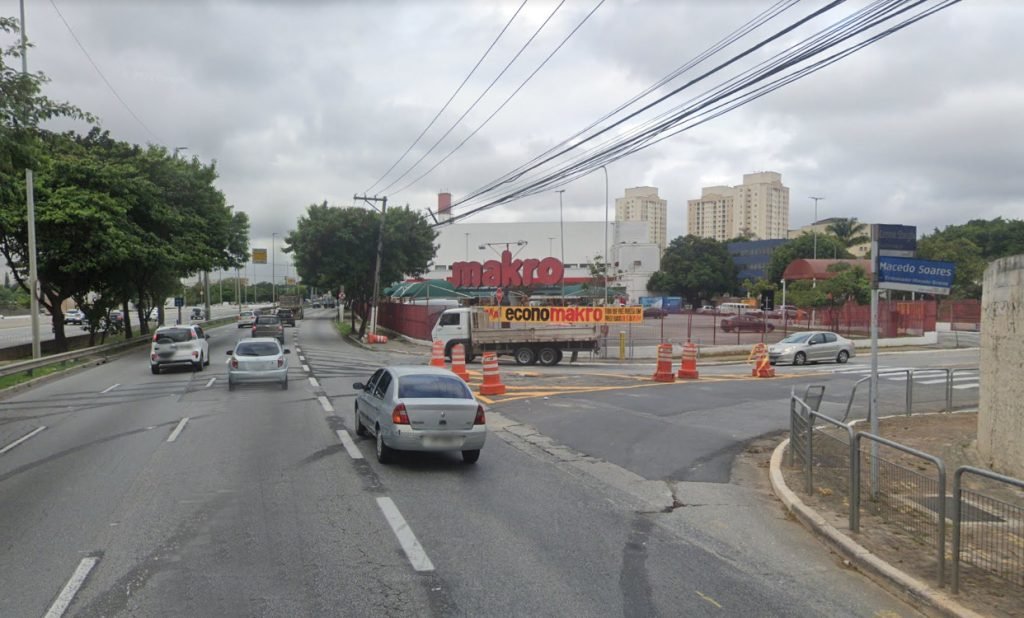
(607, 258)
(814, 229)
(273, 268)
(561, 239)
(30, 203)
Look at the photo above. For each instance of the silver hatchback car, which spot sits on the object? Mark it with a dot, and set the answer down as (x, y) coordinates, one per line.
(811, 347)
(261, 359)
(420, 409)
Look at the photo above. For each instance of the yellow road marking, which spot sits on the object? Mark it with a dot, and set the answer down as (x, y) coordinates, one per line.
(708, 599)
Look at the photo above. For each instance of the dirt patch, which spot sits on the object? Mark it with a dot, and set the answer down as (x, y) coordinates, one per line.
(899, 523)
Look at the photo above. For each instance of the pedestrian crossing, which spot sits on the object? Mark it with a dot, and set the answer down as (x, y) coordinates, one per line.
(963, 379)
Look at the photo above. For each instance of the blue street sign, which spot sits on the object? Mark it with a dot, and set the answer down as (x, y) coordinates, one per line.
(912, 275)
(898, 240)
(179, 301)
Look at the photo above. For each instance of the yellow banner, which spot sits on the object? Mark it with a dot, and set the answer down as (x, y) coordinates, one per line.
(259, 256)
(566, 315)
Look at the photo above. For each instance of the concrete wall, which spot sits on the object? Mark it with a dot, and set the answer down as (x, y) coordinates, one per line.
(1001, 407)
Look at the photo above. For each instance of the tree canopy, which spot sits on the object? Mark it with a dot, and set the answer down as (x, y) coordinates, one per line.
(971, 247)
(695, 268)
(802, 248)
(849, 231)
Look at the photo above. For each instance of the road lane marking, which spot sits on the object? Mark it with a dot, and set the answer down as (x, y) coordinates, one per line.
(302, 358)
(313, 382)
(961, 387)
(350, 446)
(109, 388)
(22, 439)
(67, 594)
(210, 383)
(708, 599)
(412, 548)
(177, 430)
(305, 368)
(325, 403)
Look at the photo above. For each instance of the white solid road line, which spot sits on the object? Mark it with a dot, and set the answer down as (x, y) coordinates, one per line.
(109, 388)
(67, 594)
(22, 439)
(350, 446)
(326, 404)
(305, 368)
(177, 430)
(413, 550)
(314, 383)
(210, 383)
(302, 358)
(961, 387)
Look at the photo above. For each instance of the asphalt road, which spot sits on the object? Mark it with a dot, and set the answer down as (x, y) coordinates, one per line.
(259, 505)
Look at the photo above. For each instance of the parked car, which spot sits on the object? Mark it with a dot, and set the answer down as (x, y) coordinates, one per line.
(790, 311)
(419, 409)
(268, 326)
(287, 316)
(708, 309)
(74, 316)
(811, 347)
(246, 318)
(197, 314)
(258, 360)
(746, 322)
(654, 312)
(179, 345)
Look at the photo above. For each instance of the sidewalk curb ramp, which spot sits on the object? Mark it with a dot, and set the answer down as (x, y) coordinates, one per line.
(907, 587)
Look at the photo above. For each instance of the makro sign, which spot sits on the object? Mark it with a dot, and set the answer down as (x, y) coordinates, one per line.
(566, 315)
(911, 275)
(507, 272)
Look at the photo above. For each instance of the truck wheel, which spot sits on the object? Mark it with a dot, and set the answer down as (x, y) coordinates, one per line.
(525, 356)
(548, 356)
(559, 357)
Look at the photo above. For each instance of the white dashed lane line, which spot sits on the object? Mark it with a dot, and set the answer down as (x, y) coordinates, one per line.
(305, 368)
(325, 403)
(109, 388)
(210, 383)
(177, 430)
(313, 382)
(22, 439)
(412, 548)
(350, 446)
(67, 594)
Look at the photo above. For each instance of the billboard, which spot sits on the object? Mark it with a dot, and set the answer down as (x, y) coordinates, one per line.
(566, 315)
(912, 275)
(259, 256)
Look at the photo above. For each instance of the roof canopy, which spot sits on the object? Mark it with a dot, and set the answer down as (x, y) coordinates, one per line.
(818, 269)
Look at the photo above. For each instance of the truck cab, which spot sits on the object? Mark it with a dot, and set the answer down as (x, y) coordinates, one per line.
(454, 327)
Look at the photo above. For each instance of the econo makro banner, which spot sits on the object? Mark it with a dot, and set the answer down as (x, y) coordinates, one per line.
(570, 315)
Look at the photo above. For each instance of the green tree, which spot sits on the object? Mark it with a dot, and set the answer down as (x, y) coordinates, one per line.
(848, 283)
(802, 248)
(849, 231)
(694, 268)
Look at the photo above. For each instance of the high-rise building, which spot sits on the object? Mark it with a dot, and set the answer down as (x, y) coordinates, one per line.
(643, 204)
(758, 208)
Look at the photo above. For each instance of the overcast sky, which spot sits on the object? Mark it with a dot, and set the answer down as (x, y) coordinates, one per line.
(301, 102)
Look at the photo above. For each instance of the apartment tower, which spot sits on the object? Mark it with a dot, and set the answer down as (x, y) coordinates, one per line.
(643, 204)
(758, 208)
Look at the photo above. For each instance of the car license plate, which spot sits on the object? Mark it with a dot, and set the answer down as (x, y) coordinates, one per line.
(442, 441)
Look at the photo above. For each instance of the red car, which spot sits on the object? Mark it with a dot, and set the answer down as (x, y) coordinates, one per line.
(747, 322)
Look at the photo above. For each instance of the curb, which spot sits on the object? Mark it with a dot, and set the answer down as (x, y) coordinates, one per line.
(905, 586)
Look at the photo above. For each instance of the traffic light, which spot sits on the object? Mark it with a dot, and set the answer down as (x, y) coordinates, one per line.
(768, 300)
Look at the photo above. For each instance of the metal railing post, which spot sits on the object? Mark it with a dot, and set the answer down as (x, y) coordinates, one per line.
(810, 455)
(855, 484)
(910, 391)
(956, 529)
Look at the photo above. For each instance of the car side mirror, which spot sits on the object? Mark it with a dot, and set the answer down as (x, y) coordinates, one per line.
(230, 352)
(359, 386)
(207, 336)
(287, 351)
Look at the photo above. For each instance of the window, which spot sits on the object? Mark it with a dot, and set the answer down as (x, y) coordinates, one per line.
(432, 387)
(830, 338)
(199, 332)
(373, 380)
(382, 385)
(449, 319)
(268, 319)
(174, 335)
(819, 338)
(257, 348)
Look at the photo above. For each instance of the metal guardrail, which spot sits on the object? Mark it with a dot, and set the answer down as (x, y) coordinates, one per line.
(950, 387)
(905, 481)
(998, 554)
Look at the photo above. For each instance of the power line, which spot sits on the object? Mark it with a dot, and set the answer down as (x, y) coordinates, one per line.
(102, 76)
(506, 101)
(482, 94)
(450, 99)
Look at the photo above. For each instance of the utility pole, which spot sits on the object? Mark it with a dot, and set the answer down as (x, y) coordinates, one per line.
(561, 240)
(814, 229)
(380, 254)
(607, 258)
(273, 269)
(30, 202)
(206, 293)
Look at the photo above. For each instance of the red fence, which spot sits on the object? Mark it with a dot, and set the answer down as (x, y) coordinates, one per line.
(414, 321)
(895, 318)
(961, 314)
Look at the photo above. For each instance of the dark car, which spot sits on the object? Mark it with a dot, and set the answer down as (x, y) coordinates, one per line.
(746, 322)
(268, 326)
(654, 312)
(287, 316)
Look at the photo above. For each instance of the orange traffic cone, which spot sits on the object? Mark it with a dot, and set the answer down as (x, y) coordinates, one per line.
(492, 379)
(762, 365)
(664, 371)
(437, 354)
(688, 370)
(459, 362)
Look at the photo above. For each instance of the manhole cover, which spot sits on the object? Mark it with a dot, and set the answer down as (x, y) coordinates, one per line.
(968, 512)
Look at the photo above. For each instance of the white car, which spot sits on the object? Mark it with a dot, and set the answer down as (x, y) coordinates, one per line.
(420, 409)
(246, 318)
(260, 359)
(811, 347)
(74, 316)
(185, 344)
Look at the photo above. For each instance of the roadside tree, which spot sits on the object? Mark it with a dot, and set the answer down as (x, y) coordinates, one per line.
(694, 268)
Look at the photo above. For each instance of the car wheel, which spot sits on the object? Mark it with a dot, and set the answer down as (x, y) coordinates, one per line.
(548, 356)
(800, 359)
(207, 363)
(843, 357)
(470, 457)
(384, 452)
(360, 427)
(198, 366)
(155, 369)
(525, 356)
(231, 384)
(284, 384)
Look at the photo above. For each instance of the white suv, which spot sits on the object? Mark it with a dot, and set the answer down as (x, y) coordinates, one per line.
(179, 345)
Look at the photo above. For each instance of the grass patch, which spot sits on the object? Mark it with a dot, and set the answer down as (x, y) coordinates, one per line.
(344, 328)
(18, 378)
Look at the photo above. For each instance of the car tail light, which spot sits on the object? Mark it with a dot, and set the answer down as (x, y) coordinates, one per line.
(280, 361)
(152, 356)
(480, 419)
(234, 363)
(154, 337)
(193, 335)
(399, 416)
(195, 354)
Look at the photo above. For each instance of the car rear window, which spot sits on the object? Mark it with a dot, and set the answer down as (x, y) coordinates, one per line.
(176, 335)
(257, 348)
(284, 312)
(268, 319)
(432, 387)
